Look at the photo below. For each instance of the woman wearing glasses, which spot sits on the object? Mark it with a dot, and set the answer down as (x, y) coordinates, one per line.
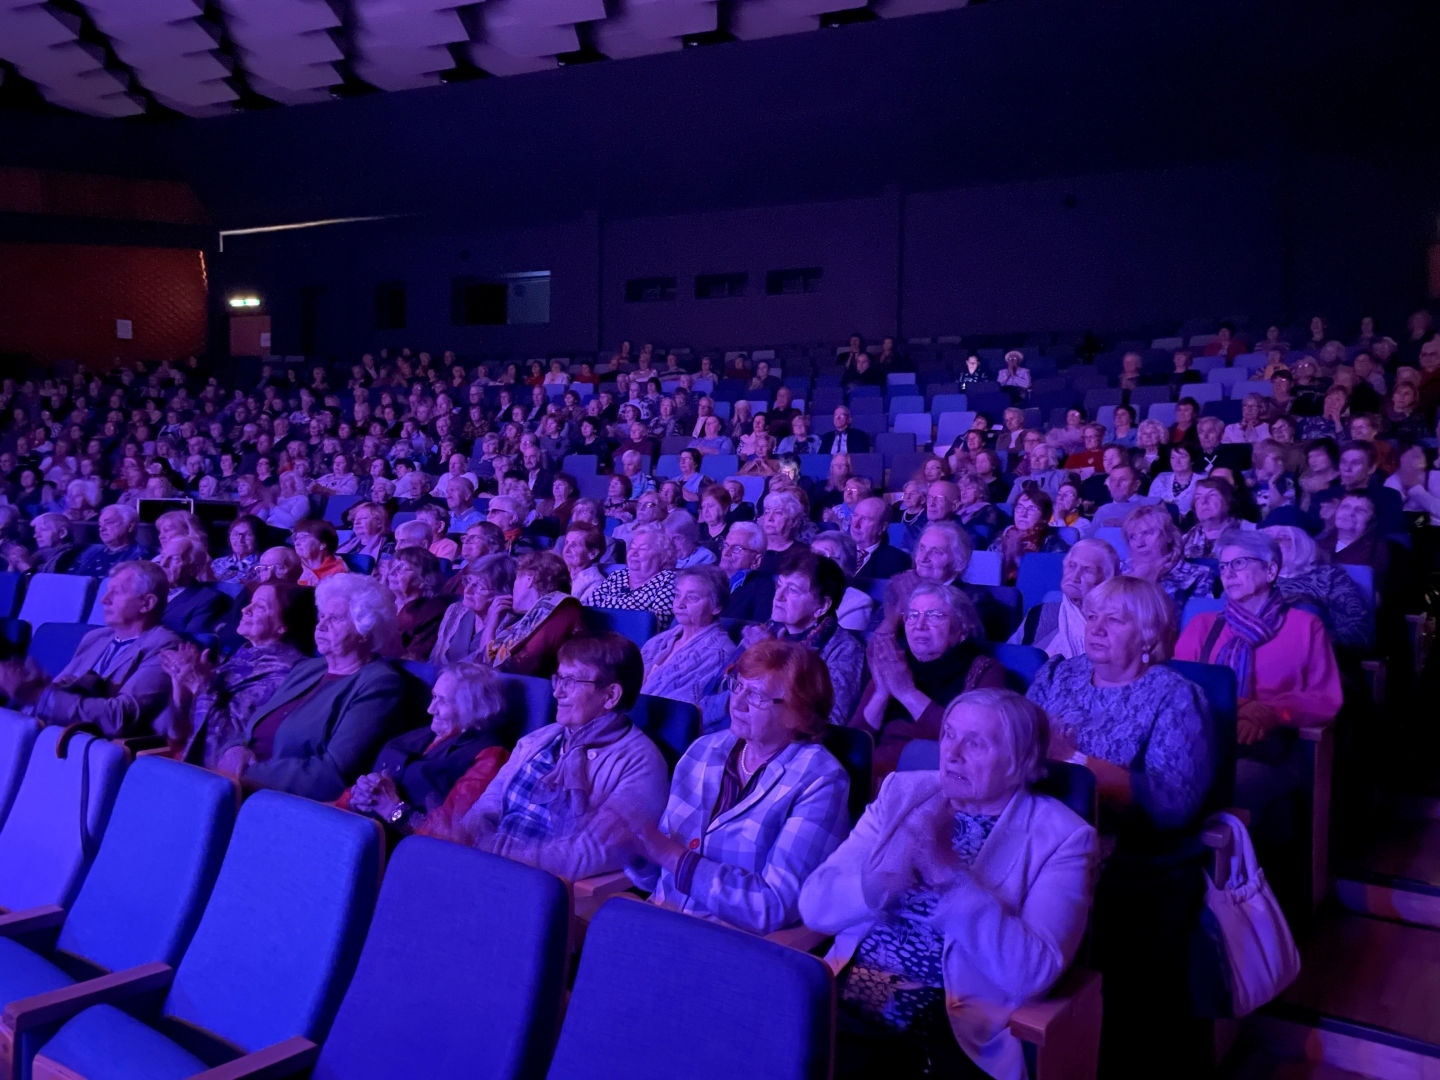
(920, 663)
(753, 809)
(548, 805)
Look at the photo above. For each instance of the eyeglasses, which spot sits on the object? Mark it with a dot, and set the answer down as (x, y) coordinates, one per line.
(730, 548)
(755, 699)
(1239, 564)
(565, 682)
(929, 618)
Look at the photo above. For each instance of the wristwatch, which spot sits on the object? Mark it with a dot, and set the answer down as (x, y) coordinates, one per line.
(398, 814)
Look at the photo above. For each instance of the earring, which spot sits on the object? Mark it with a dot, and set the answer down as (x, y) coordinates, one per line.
(1145, 657)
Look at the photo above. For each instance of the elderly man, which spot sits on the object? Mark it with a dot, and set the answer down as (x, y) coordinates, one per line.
(279, 565)
(460, 498)
(752, 594)
(942, 499)
(1058, 626)
(414, 533)
(844, 439)
(1215, 453)
(117, 543)
(874, 557)
(684, 536)
(648, 511)
(54, 549)
(1123, 483)
(115, 679)
(191, 606)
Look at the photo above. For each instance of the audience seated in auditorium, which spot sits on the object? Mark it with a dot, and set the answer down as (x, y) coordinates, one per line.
(752, 593)
(193, 606)
(325, 723)
(210, 703)
(555, 802)
(117, 543)
(316, 542)
(1058, 626)
(413, 578)
(647, 580)
(959, 896)
(681, 662)
(1031, 532)
(1307, 579)
(116, 679)
(874, 557)
(857, 608)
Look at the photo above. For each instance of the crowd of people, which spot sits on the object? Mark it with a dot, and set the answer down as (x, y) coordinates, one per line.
(272, 554)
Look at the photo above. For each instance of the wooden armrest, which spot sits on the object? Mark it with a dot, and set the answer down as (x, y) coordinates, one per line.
(135, 743)
(1074, 997)
(288, 1058)
(45, 917)
(602, 885)
(56, 1005)
(1322, 733)
(799, 937)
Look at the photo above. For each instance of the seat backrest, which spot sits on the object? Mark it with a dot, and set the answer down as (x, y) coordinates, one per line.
(640, 960)
(671, 725)
(1199, 605)
(283, 929)
(1219, 686)
(336, 505)
(638, 626)
(855, 750)
(44, 853)
(457, 935)
(57, 598)
(9, 592)
(529, 702)
(54, 643)
(97, 613)
(154, 871)
(1039, 573)
(984, 568)
(17, 739)
(1020, 662)
(1074, 785)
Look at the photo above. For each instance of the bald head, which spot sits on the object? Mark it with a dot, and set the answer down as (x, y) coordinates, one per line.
(868, 523)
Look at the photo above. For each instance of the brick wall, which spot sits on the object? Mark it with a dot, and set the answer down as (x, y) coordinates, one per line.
(61, 301)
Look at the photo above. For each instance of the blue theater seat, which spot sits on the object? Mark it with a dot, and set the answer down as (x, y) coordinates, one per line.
(17, 739)
(529, 702)
(57, 598)
(641, 960)
(267, 966)
(638, 626)
(671, 725)
(462, 972)
(54, 643)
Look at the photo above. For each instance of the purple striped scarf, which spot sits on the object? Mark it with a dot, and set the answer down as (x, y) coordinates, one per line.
(1249, 631)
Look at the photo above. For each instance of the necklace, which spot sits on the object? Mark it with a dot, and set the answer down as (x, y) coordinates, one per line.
(746, 771)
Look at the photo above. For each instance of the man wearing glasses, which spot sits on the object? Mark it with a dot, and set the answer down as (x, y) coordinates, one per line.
(547, 807)
(752, 594)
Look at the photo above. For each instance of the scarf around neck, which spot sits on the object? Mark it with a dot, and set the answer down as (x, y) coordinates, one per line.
(1249, 631)
(517, 633)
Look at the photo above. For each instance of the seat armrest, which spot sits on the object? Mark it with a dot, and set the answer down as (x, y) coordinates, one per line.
(799, 937)
(602, 885)
(68, 1001)
(1064, 1028)
(289, 1058)
(45, 917)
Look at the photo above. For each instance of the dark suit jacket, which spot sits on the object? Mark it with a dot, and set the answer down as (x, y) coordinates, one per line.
(334, 735)
(198, 609)
(754, 600)
(856, 441)
(886, 562)
(1232, 456)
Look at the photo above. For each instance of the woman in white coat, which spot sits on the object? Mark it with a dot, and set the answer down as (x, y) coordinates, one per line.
(959, 896)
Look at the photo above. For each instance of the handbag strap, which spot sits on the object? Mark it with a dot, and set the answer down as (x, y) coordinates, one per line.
(1216, 629)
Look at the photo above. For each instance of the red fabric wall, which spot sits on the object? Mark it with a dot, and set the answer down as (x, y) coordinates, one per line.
(61, 301)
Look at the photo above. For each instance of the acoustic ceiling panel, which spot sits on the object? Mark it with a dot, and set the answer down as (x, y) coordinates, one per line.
(171, 50)
(287, 47)
(44, 45)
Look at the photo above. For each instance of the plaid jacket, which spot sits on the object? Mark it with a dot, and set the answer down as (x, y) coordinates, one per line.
(755, 856)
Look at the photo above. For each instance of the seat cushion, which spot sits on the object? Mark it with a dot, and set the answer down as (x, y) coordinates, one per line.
(103, 1043)
(24, 973)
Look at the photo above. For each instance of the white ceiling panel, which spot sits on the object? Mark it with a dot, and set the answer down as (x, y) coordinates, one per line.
(895, 9)
(286, 47)
(752, 20)
(499, 62)
(169, 49)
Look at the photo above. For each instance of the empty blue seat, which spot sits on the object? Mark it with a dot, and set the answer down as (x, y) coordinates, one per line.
(907, 403)
(17, 738)
(943, 403)
(671, 725)
(719, 466)
(47, 843)
(580, 465)
(57, 598)
(984, 568)
(54, 643)
(640, 960)
(1020, 662)
(336, 505)
(274, 950)
(917, 425)
(10, 582)
(950, 426)
(143, 896)
(457, 935)
(1199, 605)
(529, 702)
(97, 613)
(1039, 573)
(668, 466)
(638, 626)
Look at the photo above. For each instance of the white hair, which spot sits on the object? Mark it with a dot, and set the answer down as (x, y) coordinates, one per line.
(1303, 553)
(370, 605)
(416, 529)
(1108, 555)
(747, 533)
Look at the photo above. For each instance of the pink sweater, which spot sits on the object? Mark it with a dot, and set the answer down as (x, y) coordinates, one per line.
(1295, 671)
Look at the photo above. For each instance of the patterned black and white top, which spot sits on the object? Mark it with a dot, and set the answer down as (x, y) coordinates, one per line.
(656, 596)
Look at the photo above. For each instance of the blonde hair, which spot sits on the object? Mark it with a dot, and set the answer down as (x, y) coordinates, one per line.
(1142, 603)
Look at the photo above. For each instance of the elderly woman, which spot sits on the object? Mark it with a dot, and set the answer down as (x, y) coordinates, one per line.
(959, 896)
(1176, 485)
(581, 548)
(647, 581)
(976, 513)
(55, 551)
(292, 506)
(714, 440)
(1031, 532)
(1281, 655)
(331, 715)
(413, 577)
(1058, 626)
(244, 557)
(339, 480)
(82, 499)
(1157, 555)
(781, 518)
(1354, 539)
(741, 857)
(485, 579)
(1305, 578)
(372, 526)
(920, 661)
(428, 777)
(686, 659)
(212, 704)
(316, 542)
(857, 608)
(554, 803)
(1214, 502)
(524, 631)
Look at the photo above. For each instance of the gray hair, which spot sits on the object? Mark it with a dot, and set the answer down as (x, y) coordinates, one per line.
(783, 500)
(1254, 543)
(126, 511)
(60, 521)
(1303, 552)
(1026, 727)
(747, 533)
(417, 530)
(963, 615)
(680, 523)
(842, 549)
(656, 532)
(1108, 555)
(961, 546)
(478, 697)
(370, 605)
(496, 572)
(150, 578)
(715, 580)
